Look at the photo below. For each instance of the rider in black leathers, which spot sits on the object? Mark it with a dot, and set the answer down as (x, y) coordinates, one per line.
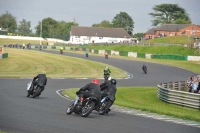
(41, 80)
(144, 68)
(91, 89)
(109, 88)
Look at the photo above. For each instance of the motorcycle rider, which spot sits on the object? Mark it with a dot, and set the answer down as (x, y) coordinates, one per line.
(109, 88)
(91, 89)
(144, 68)
(40, 46)
(106, 72)
(106, 55)
(41, 79)
(61, 49)
(86, 53)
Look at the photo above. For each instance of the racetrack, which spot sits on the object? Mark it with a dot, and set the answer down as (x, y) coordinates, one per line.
(20, 114)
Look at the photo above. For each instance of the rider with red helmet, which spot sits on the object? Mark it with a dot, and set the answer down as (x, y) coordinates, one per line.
(91, 89)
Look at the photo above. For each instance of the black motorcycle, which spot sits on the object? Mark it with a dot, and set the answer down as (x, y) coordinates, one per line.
(106, 76)
(144, 68)
(86, 55)
(84, 108)
(106, 103)
(36, 91)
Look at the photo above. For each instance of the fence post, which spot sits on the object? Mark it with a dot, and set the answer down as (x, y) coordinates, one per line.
(179, 86)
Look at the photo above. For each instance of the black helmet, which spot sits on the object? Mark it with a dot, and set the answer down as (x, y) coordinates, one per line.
(113, 81)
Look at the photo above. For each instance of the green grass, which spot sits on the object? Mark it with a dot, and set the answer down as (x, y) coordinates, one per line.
(145, 99)
(189, 65)
(172, 40)
(172, 49)
(28, 63)
(17, 41)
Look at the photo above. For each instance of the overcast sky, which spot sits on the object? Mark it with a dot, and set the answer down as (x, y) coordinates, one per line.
(88, 12)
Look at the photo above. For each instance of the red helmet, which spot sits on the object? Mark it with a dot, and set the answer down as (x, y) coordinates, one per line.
(96, 81)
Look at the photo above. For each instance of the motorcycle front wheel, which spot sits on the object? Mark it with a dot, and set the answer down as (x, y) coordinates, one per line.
(37, 92)
(70, 109)
(28, 94)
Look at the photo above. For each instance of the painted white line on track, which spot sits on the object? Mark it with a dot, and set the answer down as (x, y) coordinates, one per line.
(26, 78)
(57, 78)
(58, 92)
(141, 114)
(162, 118)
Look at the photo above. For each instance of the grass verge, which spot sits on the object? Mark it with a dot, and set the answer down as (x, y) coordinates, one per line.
(145, 99)
(172, 49)
(28, 63)
(17, 41)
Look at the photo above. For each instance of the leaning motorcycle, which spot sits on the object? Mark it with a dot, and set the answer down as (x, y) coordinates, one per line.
(83, 108)
(36, 90)
(145, 70)
(106, 103)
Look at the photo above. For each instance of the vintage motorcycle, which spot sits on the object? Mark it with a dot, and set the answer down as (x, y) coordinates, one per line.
(106, 103)
(82, 106)
(36, 91)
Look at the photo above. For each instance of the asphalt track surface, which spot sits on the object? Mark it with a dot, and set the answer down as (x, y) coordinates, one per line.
(47, 114)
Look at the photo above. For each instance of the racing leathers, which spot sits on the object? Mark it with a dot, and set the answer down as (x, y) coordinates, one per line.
(41, 80)
(90, 89)
(106, 72)
(108, 89)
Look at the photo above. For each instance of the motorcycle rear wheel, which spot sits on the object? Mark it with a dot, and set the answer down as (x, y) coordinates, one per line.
(105, 107)
(87, 109)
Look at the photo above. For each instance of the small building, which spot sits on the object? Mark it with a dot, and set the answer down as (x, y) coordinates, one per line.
(150, 33)
(86, 35)
(173, 30)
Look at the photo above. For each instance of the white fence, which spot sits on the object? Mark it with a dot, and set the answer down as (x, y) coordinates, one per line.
(21, 37)
(171, 93)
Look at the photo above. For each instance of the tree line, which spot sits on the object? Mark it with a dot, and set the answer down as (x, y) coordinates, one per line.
(162, 14)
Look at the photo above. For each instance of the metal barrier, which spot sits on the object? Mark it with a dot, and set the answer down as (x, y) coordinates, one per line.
(172, 93)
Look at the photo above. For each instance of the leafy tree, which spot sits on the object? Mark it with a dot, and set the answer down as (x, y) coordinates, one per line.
(123, 20)
(182, 21)
(24, 27)
(104, 23)
(55, 29)
(49, 27)
(65, 29)
(138, 35)
(8, 21)
(169, 13)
